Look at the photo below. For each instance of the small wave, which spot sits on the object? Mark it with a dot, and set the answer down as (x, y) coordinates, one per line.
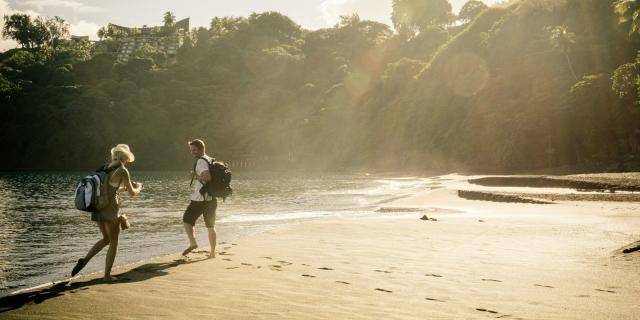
(280, 216)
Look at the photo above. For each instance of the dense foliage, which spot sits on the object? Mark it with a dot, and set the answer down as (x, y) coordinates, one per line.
(530, 85)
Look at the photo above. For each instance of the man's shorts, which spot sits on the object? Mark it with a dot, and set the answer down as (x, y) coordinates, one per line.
(204, 208)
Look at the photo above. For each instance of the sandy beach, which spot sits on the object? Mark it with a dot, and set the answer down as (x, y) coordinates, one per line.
(474, 259)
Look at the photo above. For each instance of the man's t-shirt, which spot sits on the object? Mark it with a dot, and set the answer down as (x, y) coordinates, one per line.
(201, 166)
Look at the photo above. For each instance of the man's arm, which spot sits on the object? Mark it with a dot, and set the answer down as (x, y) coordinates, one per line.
(205, 176)
(202, 171)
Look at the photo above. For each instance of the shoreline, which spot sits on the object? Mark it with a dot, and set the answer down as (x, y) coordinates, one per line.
(477, 259)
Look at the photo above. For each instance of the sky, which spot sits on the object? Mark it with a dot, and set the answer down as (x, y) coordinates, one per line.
(86, 16)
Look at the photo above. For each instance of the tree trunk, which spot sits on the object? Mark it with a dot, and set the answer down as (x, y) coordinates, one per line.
(573, 73)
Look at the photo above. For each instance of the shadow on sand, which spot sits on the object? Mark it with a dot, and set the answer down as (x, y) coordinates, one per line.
(140, 273)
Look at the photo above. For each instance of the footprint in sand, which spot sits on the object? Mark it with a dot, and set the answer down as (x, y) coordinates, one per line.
(229, 268)
(544, 286)
(343, 282)
(224, 253)
(306, 265)
(275, 267)
(246, 264)
(603, 290)
(486, 310)
(234, 244)
(383, 271)
(383, 290)
(227, 259)
(433, 299)
(267, 258)
(226, 248)
(286, 263)
(325, 268)
(491, 280)
(308, 276)
(433, 275)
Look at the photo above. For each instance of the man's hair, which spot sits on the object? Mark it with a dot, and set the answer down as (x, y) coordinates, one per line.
(197, 143)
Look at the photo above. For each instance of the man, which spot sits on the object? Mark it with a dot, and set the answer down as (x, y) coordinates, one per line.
(204, 205)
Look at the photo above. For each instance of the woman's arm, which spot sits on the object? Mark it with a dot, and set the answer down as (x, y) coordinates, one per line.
(129, 186)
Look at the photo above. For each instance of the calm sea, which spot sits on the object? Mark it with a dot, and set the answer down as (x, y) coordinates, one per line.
(42, 234)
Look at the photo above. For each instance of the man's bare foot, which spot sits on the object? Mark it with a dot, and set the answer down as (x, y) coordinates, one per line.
(187, 250)
(212, 255)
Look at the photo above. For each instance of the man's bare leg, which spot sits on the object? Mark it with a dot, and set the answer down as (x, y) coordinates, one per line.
(191, 234)
(212, 241)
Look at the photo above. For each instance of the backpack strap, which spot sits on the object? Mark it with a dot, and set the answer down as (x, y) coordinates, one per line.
(195, 165)
(113, 171)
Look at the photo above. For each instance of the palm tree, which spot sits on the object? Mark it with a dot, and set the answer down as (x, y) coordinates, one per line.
(102, 33)
(169, 19)
(629, 12)
(562, 41)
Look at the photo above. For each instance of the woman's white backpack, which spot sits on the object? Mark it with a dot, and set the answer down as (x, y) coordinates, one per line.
(92, 193)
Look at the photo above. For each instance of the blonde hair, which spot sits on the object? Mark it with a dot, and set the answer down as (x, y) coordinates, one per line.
(117, 157)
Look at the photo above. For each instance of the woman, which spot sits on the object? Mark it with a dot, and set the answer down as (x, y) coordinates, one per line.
(109, 218)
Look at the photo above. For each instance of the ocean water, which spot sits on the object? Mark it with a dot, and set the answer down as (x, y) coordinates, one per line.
(42, 234)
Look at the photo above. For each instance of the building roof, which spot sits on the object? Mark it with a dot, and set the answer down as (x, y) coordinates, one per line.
(182, 24)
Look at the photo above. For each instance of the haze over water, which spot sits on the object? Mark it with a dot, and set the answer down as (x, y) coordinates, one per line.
(43, 234)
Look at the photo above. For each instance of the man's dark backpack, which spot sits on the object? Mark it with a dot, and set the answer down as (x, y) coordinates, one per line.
(220, 184)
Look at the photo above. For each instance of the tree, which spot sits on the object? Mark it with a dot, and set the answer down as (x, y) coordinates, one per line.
(150, 52)
(169, 19)
(35, 33)
(412, 16)
(221, 26)
(102, 33)
(562, 41)
(471, 10)
(629, 13)
(19, 28)
(39, 32)
(274, 25)
(626, 79)
(57, 30)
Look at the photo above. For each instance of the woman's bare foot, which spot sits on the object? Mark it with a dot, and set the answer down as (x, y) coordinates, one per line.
(110, 278)
(212, 255)
(79, 265)
(187, 250)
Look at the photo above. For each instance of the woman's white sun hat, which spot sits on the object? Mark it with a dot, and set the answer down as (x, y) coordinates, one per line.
(125, 150)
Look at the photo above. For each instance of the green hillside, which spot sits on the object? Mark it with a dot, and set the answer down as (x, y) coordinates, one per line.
(523, 86)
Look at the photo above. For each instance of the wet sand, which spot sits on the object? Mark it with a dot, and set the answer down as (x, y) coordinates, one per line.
(480, 259)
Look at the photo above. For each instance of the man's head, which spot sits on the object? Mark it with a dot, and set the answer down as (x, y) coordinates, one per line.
(197, 147)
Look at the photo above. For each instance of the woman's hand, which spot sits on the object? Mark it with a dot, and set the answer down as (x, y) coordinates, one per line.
(132, 187)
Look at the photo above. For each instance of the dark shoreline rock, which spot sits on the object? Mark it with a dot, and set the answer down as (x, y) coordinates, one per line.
(594, 182)
(496, 197)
